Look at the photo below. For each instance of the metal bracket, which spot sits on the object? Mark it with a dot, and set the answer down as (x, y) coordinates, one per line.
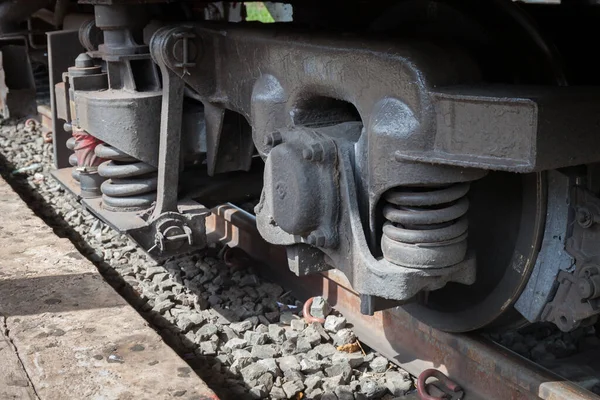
(169, 163)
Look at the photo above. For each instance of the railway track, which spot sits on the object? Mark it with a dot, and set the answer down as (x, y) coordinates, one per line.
(482, 368)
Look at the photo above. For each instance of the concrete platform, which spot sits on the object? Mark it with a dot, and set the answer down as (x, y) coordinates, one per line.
(65, 333)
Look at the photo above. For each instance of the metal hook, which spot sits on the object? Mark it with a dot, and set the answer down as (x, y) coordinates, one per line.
(428, 373)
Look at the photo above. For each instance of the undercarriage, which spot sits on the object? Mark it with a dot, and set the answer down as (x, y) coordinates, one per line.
(441, 154)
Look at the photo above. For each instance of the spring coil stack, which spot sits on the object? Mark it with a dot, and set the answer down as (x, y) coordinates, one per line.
(131, 183)
(73, 158)
(426, 226)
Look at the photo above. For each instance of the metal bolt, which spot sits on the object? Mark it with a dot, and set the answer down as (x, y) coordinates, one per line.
(272, 139)
(585, 288)
(313, 153)
(84, 61)
(584, 217)
(68, 127)
(184, 49)
(316, 238)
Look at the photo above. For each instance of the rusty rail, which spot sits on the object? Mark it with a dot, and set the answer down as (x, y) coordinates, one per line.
(483, 369)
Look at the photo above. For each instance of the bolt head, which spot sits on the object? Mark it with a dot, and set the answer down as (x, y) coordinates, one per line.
(83, 60)
(178, 50)
(316, 238)
(585, 288)
(313, 153)
(584, 217)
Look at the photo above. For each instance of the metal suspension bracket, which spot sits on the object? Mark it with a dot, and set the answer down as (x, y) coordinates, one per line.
(171, 51)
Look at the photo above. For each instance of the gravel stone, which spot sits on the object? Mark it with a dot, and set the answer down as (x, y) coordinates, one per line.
(286, 318)
(344, 393)
(271, 365)
(278, 393)
(379, 364)
(344, 336)
(255, 338)
(328, 395)
(253, 371)
(372, 388)
(235, 343)
(292, 387)
(325, 349)
(276, 333)
(298, 324)
(266, 380)
(241, 353)
(208, 348)
(265, 351)
(397, 383)
(151, 271)
(313, 381)
(311, 335)
(163, 306)
(290, 334)
(292, 375)
(288, 363)
(189, 320)
(258, 392)
(319, 307)
(207, 331)
(289, 347)
(302, 345)
(228, 333)
(334, 323)
(329, 384)
(309, 366)
(272, 317)
(313, 393)
(241, 327)
(239, 364)
(338, 370)
(352, 359)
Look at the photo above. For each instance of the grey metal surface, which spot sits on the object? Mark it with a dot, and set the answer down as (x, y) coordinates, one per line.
(552, 256)
(169, 152)
(63, 48)
(512, 128)
(576, 301)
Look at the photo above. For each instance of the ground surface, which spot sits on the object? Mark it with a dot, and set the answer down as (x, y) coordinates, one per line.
(64, 332)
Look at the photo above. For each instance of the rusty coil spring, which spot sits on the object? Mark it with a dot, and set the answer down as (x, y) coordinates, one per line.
(131, 183)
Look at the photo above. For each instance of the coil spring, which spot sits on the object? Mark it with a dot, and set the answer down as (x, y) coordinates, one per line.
(73, 159)
(131, 183)
(426, 226)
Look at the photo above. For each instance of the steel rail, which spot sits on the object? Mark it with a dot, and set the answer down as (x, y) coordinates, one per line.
(484, 369)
